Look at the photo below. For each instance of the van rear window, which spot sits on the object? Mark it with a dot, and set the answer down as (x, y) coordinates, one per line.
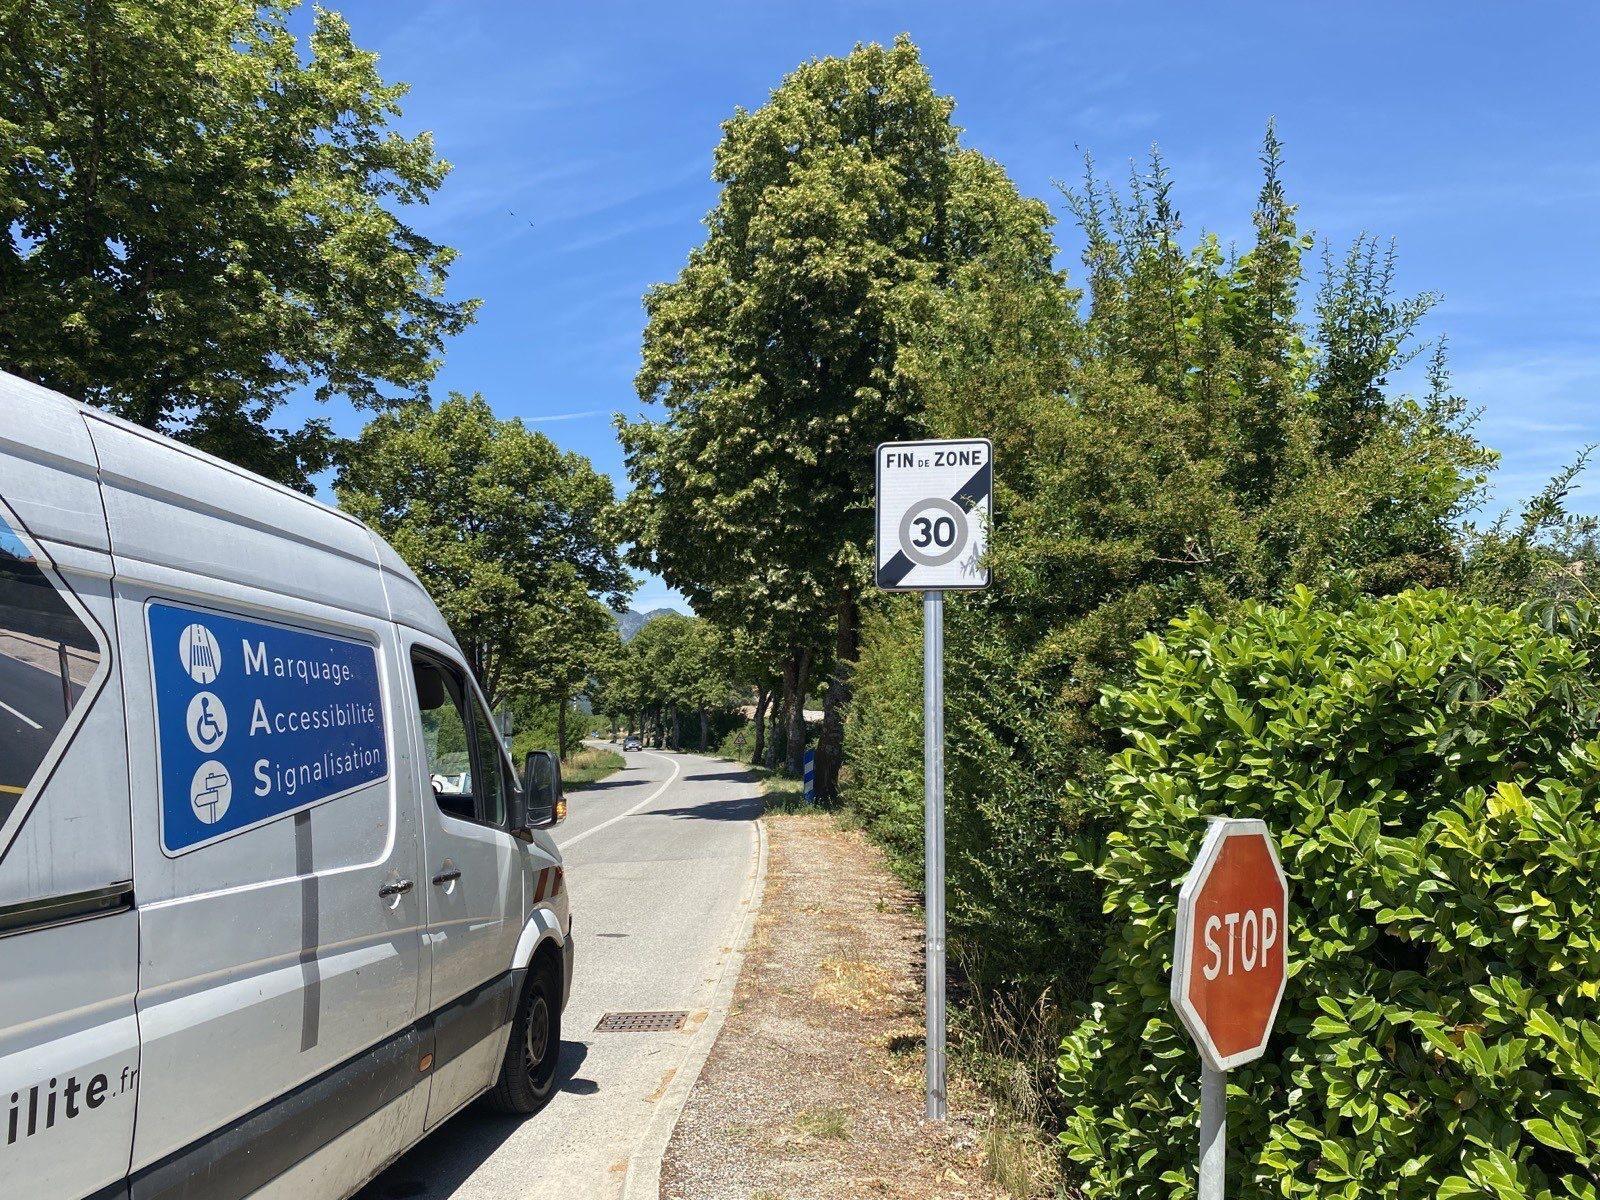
(48, 656)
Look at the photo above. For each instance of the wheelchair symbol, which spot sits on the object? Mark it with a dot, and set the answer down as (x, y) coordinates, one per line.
(207, 722)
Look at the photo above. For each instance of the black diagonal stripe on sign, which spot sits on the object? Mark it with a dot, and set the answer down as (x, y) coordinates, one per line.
(893, 571)
(968, 496)
(976, 489)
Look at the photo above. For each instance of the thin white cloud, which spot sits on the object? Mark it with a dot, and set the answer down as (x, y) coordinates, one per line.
(571, 416)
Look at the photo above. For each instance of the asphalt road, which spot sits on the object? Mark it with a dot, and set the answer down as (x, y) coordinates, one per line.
(659, 857)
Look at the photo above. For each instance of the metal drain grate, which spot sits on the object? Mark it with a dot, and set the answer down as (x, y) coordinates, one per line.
(641, 1022)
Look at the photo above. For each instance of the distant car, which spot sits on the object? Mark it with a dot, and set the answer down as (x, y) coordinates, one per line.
(632, 743)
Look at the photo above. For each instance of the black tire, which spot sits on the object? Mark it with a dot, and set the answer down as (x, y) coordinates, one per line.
(528, 1074)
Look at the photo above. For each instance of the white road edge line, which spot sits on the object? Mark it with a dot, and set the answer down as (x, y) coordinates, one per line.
(23, 717)
(650, 799)
(643, 1181)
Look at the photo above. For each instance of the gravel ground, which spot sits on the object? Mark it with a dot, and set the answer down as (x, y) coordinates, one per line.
(814, 1088)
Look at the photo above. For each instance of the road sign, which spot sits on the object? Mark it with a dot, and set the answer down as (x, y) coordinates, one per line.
(1229, 965)
(935, 501)
(256, 720)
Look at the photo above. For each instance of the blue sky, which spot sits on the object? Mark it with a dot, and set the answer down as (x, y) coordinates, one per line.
(582, 135)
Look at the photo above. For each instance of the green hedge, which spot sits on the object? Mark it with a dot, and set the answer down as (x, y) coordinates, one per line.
(1431, 769)
(1018, 923)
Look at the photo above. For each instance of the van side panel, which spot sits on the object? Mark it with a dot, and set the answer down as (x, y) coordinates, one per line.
(269, 957)
(271, 968)
(69, 1046)
(69, 1056)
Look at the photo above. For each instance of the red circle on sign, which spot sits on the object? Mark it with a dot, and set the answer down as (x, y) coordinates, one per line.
(1231, 959)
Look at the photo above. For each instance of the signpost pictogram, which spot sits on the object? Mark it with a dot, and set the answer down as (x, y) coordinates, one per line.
(1229, 966)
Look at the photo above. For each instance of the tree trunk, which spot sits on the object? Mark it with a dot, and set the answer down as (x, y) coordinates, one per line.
(561, 731)
(796, 743)
(677, 729)
(830, 746)
(776, 724)
(705, 731)
(763, 698)
(782, 728)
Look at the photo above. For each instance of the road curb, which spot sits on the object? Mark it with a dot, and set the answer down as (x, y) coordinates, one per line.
(643, 1181)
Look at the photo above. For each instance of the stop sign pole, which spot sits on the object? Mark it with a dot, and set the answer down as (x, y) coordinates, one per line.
(1229, 966)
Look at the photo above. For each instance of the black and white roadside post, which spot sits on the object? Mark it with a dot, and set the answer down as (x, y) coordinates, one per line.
(935, 502)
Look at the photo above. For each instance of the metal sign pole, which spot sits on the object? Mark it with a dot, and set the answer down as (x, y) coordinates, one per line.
(933, 839)
(1213, 1131)
(932, 515)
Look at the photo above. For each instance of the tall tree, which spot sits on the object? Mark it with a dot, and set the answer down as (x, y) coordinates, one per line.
(606, 686)
(1190, 439)
(202, 218)
(507, 531)
(573, 640)
(847, 207)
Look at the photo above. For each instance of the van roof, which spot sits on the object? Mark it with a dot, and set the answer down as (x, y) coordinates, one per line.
(414, 607)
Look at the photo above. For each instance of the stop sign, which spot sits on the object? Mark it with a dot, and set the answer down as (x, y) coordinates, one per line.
(1231, 960)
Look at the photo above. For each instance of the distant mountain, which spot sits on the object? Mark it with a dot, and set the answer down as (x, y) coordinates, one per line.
(630, 622)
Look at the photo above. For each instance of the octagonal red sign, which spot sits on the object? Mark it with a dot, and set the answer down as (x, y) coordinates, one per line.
(1231, 957)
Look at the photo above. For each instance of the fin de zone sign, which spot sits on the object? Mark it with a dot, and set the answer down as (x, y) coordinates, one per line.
(935, 501)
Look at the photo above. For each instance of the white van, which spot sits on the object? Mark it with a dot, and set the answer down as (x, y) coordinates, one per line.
(273, 901)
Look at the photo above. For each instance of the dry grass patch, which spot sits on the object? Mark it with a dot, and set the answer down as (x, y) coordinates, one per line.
(1018, 1157)
(824, 1124)
(855, 984)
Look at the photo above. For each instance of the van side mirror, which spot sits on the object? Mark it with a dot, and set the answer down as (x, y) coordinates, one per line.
(542, 803)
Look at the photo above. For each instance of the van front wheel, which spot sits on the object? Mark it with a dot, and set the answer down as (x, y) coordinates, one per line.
(528, 1074)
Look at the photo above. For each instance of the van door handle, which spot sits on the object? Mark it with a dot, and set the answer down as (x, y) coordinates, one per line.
(444, 877)
(398, 888)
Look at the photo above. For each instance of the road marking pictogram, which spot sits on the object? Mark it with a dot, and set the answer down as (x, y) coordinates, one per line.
(200, 654)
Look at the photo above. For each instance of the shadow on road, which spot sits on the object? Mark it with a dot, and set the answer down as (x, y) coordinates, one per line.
(611, 781)
(447, 1157)
(744, 808)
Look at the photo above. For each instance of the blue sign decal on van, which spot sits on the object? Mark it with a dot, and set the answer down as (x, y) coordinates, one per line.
(256, 720)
